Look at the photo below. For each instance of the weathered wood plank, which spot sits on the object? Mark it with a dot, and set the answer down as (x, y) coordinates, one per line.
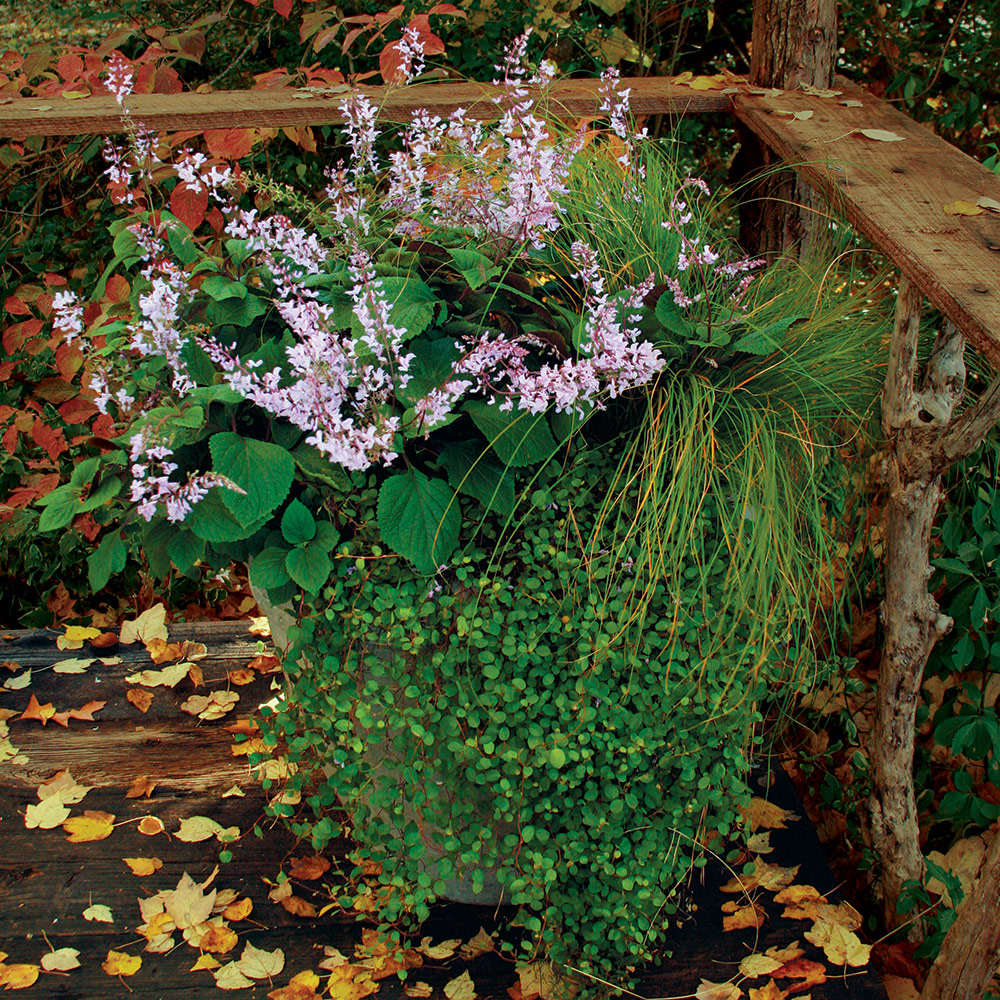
(894, 193)
(100, 115)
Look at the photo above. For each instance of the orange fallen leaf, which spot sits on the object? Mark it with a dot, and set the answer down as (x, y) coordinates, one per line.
(762, 813)
(141, 698)
(118, 963)
(265, 664)
(218, 940)
(241, 677)
(150, 826)
(143, 866)
(239, 910)
(104, 640)
(161, 651)
(255, 745)
(742, 916)
(141, 786)
(86, 712)
(92, 825)
(772, 991)
(811, 973)
(309, 868)
(18, 977)
(35, 711)
(298, 907)
(243, 726)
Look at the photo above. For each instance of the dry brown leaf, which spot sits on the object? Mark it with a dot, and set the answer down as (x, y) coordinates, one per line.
(963, 859)
(63, 786)
(118, 963)
(141, 698)
(786, 954)
(841, 946)
(764, 875)
(300, 987)
(143, 866)
(141, 786)
(418, 990)
(309, 868)
(241, 677)
(265, 664)
(105, 640)
(799, 894)
(90, 826)
(900, 988)
(150, 826)
(298, 907)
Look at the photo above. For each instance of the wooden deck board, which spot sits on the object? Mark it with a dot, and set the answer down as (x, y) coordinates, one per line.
(47, 882)
(894, 193)
(222, 109)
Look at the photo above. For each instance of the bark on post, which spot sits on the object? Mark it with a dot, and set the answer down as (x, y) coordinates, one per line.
(794, 42)
(924, 437)
(971, 948)
(911, 420)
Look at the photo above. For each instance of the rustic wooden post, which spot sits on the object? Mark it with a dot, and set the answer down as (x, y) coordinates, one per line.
(794, 42)
(924, 437)
(971, 948)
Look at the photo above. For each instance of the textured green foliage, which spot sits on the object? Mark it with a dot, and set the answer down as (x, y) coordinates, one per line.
(419, 518)
(519, 438)
(263, 470)
(558, 691)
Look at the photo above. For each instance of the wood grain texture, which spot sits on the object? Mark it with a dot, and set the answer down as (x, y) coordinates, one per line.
(226, 109)
(46, 882)
(894, 193)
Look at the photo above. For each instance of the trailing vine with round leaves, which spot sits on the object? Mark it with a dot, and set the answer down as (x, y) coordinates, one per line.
(546, 718)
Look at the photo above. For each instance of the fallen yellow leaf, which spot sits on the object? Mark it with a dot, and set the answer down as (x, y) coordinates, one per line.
(141, 786)
(18, 977)
(92, 825)
(205, 962)
(239, 910)
(150, 826)
(143, 866)
(962, 208)
(118, 963)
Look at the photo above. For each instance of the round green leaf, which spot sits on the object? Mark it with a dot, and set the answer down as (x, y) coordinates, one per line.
(268, 569)
(309, 567)
(419, 518)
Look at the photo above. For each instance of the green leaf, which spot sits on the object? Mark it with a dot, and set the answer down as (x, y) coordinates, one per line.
(419, 518)
(297, 523)
(314, 464)
(478, 474)
(430, 369)
(518, 437)
(476, 268)
(185, 548)
(264, 470)
(236, 312)
(413, 302)
(219, 287)
(267, 569)
(83, 473)
(309, 567)
(108, 558)
(327, 535)
(106, 491)
(212, 520)
(766, 339)
(61, 506)
(670, 316)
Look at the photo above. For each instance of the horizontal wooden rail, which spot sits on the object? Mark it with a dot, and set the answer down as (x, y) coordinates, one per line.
(100, 115)
(895, 193)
